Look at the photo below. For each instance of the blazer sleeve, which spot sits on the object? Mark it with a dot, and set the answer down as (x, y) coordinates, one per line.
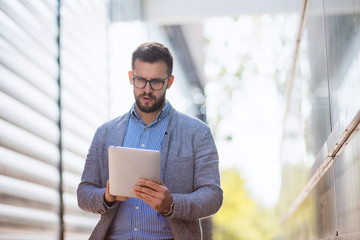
(91, 190)
(207, 195)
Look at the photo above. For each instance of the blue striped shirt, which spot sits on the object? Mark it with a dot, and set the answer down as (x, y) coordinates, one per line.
(135, 219)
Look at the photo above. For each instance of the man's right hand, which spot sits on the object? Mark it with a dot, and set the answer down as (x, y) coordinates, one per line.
(109, 199)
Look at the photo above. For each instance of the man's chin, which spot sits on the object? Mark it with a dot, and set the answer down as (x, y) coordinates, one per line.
(149, 108)
(146, 108)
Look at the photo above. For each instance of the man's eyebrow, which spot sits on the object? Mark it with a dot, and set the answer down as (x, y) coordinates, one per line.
(150, 78)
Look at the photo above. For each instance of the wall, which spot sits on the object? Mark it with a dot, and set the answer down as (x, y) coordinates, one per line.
(53, 95)
(320, 193)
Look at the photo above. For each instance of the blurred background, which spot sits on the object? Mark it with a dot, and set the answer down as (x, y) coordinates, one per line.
(277, 81)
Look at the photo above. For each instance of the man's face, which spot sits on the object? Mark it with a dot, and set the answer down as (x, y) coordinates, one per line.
(147, 99)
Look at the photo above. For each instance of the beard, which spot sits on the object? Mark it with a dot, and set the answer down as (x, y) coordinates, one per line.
(149, 108)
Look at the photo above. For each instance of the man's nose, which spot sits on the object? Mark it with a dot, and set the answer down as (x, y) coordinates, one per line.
(148, 87)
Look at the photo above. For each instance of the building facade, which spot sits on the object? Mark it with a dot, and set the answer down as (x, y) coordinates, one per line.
(320, 149)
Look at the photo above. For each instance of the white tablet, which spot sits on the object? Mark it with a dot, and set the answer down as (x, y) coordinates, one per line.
(126, 165)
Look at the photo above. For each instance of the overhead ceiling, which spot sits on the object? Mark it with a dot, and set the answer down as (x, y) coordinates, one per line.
(168, 12)
(182, 11)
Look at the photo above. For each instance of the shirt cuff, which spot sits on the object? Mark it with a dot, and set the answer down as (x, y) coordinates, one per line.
(107, 206)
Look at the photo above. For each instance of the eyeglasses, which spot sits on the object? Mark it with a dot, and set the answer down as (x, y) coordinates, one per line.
(155, 83)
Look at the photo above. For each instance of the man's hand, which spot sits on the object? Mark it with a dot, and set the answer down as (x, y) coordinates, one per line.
(111, 198)
(154, 194)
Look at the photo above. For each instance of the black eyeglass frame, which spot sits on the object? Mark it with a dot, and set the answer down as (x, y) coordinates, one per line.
(150, 82)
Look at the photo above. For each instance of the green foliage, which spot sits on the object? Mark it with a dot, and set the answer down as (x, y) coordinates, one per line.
(240, 217)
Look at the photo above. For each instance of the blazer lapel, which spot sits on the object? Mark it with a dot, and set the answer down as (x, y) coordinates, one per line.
(118, 135)
(166, 144)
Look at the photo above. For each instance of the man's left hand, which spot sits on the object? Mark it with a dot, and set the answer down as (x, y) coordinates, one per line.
(156, 195)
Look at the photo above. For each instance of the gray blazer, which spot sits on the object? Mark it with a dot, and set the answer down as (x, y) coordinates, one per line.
(189, 168)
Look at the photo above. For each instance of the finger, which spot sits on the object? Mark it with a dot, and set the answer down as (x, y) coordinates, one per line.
(108, 187)
(155, 203)
(150, 200)
(149, 183)
(108, 196)
(145, 191)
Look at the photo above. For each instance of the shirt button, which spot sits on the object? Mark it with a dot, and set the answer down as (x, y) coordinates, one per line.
(146, 129)
(135, 229)
(142, 145)
(137, 207)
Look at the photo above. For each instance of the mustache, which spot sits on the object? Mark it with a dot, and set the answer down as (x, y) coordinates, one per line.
(147, 95)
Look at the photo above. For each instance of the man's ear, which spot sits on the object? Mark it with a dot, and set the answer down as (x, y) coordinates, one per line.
(170, 81)
(131, 77)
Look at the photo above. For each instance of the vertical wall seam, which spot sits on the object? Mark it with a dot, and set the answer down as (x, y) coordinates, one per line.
(60, 164)
(327, 66)
(330, 116)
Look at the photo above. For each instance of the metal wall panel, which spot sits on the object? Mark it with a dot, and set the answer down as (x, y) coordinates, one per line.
(29, 153)
(328, 205)
(343, 63)
(84, 89)
(347, 190)
(43, 100)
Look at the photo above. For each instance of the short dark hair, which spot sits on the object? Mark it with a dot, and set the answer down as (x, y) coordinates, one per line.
(153, 52)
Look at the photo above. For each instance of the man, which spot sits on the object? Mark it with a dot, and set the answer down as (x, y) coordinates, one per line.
(190, 183)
